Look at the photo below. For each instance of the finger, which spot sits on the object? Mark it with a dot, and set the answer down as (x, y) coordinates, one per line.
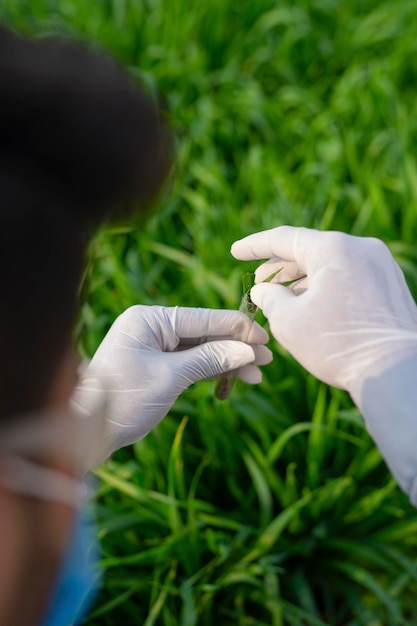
(263, 355)
(211, 359)
(283, 270)
(250, 374)
(281, 307)
(270, 297)
(299, 286)
(195, 325)
(287, 242)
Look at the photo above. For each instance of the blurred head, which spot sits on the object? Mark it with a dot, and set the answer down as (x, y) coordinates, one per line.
(80, 145)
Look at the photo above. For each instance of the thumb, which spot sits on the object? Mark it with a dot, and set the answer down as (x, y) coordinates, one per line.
(271, 297)
(210, 359)
(277, 304)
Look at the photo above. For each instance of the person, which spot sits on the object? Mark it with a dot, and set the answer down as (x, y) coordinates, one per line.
(350, 320)
(81, 145)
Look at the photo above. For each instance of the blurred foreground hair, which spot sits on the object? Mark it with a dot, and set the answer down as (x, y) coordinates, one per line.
(80, 144)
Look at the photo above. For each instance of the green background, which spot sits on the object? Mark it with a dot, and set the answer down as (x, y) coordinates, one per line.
(274, 507)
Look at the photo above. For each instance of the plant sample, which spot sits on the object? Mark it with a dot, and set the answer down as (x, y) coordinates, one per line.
(225, 382)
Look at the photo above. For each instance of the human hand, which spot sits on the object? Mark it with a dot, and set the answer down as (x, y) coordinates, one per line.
(350, 317)
(152, 353)
(351, 321)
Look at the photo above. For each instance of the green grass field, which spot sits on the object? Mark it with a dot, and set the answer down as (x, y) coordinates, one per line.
(274, 507)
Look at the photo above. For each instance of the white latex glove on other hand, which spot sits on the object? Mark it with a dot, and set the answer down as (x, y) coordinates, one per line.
(152, 353)
(351, 322)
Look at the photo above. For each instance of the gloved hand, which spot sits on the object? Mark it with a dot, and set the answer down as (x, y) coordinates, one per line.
(152, 353)
(350, 322)
(351, 316)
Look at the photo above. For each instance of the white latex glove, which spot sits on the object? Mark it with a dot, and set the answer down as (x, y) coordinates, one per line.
(152, 353)
(351, 322)
(351, 316)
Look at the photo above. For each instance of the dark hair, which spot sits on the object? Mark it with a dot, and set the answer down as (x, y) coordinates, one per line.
(80, 144)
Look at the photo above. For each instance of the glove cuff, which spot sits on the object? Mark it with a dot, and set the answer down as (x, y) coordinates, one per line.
(388, 402)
